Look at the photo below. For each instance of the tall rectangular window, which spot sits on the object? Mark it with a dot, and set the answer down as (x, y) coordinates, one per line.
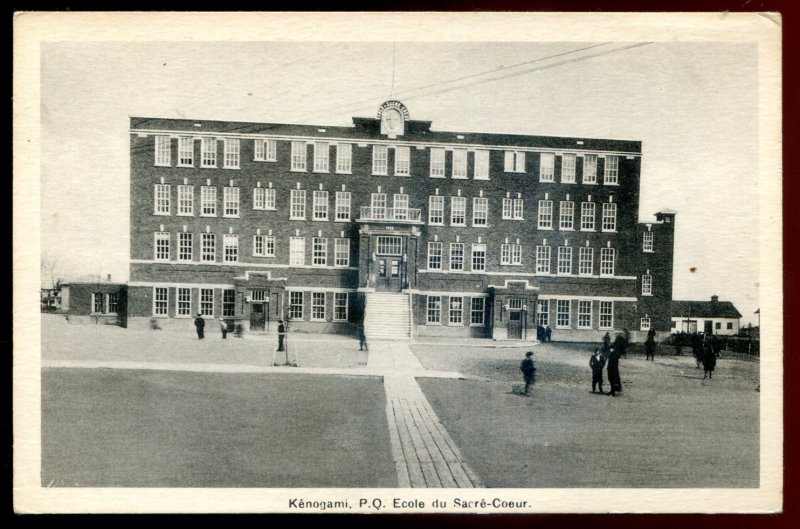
(590, 169)
(208, 152)
(402, 161)
(231, 150)
(319, 251)
(456, 256)
(297, 204)
(265, 151)
(163, 151)
(208, 201)
(97, 303)
(230, 201)
(263, 198)
(455, 310)
(647, 285)
(508, 207)
(162, 246)
(228, 302)
(341, 252)
(586, 261)
(344, 158)
(183, 305)
(512, 208)
(547, 167)
(459, 163)
(378, 205)
(230, 247)
(458, 211)
(587, 216)
(296, 305)
(400, 206)
(545, 215)
(562, 313)
(322, 153)
(543, 312)
(434, 309)
(606, 315)
(476, 311)
(510, 254)
(343, 205)
(518, 209)
(436, 209)
(320, 205)
(207, 302)
(542, 259)
(584, 314)
(434, 255)
(185, 244)
(186, 200)
(478, 257)
(340, 306)
(208, 247)
(607, 261)
(160, 301)
(297, 251)
(480, 211)
(514, 162)
(380, 159)
(112, 302)
(564, 265)
(647, 241)
(162, 199)
(263, 246)
(437, 163)
(610, 175)
(566, 217)
(609, 216)
(185, 151)
(299, 155)
(568, 169)
(318, 306)
(481, 165)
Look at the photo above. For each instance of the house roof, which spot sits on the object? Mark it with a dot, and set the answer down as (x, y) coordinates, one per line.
(704, 309)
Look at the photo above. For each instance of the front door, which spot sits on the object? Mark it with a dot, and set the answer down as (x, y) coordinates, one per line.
(387, 277)
(515, 325)
(258, 317)
(708, 324)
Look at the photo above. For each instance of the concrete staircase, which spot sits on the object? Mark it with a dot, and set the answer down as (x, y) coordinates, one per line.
(388, 316)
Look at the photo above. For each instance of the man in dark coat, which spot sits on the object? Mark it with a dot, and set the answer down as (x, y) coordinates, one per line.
(650, 345)
(620, 345)
(200, 325)
(548, 333)
(528, 370)
(281, 335)
(606, 344)
(613, 373)
(697, 349)
(709, 358)
(362, 338)
(540, 333)
(597, 362)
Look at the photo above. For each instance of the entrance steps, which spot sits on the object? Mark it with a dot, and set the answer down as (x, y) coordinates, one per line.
(388, 316)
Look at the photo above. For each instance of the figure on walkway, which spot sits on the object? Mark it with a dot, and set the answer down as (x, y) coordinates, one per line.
(281, 335)
(606, 344)
(709, 358)
(716, 344)
(200, 325)
(613, 373)
(597, 362)
(528, 370)
(548, 333)
(650, 345)
(362, 338)
(620, 345)
(540, 332)
(697, 349)
(223, 327)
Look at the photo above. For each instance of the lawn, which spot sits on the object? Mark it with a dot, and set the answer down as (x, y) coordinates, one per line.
(669, 429)
(130, 428)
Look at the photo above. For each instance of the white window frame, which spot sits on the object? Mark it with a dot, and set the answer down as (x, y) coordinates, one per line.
(264, 198)
(400, 206)
(265, 150)
(297, 204)
(607, 258)
(480, 211)
(208, 247)
(344, 158)
(566, 215)
(230, 248)
(477, 315)
(589, 169)
(228, 302)
(433, 310)
(609, 223)
(611, 171)
(455, 310)
(319, 310)
(341, 252)
(160, 301)
(514, 162)
(543, 312)
(542, 259)
(296, 305)
(208, 153)
(647, 285)
(588, 216)
(322, 157)
(163, 151)
(297, 251)
(230, 202)
(206, 302)
(380, 160)
(545, 215)
(438, 202)
(606, 312)
(339, 307)
(478, 257)
(564, 260)
(208, 201)
(456, 255)
(263, 245)
(583, 314)
(183, 302)
(319, 251)
(231, 153)
(162, 199)
(389, 245)
(185, 151)
(185, 201)
(161, 246)
(511, 254)
(435, 255)
(568, 163)
(547, 167)
(319, 207)
(562, 314)
(437, 169)
(378, 202)
(648, 242)
(481, 168)
(343, 206)
(458, 210)
(299, 157)
(185, 251)
(402, 160)
(645, 323)
(585, 261)
(459, 169)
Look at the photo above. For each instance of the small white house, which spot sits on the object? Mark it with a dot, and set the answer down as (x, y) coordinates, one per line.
(711, 317)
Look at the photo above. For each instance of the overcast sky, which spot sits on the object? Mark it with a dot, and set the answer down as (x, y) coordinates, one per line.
(693, 105)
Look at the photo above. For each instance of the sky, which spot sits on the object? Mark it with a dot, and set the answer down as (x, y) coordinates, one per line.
(694, 106)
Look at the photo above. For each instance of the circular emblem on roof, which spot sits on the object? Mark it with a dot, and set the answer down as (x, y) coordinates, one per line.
(393, 115)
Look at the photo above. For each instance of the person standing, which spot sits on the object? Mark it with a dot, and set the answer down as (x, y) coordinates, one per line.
(281, 335)
(606, 344)
(548, 333)
(200, 325)
(528, 370)
(362, 338)
(709, 358)
(620, 345)
(650, 345)
(597, 362)
(223, 326)
(613, 373)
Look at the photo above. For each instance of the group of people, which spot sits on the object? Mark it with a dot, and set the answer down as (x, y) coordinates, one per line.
(706, 349)
(544, 333)
(200, 327)
(607, 357)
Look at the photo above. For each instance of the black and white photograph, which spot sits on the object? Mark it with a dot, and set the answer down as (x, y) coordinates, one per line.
(307, 263)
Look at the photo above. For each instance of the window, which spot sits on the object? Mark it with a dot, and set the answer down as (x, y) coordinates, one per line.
(319, 251)
(97, 303)
(263, 246)
(297, 204)
(263, 198)
(611, 170)
(297, 251)
(183, 305)
(606, 314)
(587, 216)
(729, 325)
(265, 151)
(566, 215)
(344, 158)
(162, 199)
(434, 256)
(584, 314)
(514, 162)
(185, 200)
(228, 302)
(458, 211)
(542, 259)
(543, 312)
(478, 257)
(476, 311)
(508, 208)
(480, 211)
(231, 151)
(456, 256)
(207, 302)
(112, 302)
(185, 152)
(481, 165)
(562, 313)
(230, 247)
(318, 306)
(341, 252)
(645, 324)
(322, 154)
(547, 167)
(185, 246)
(586, 261)
(209, 247)
(343, 205)
(208, 152)
(380, 159)
(568, 169)
(402, 161)
(590, 169)
(609, 216)
(437, 163)
(400, 206)
(162, 246)
(510, 254)
(389, 245)
(564, 264)
(647, 285)
(296, 305)
(545, 214)
(340, 306)
(455, 310)
(512, 208)
(647, 241)
(230, 202)
(436, 209)
(434, 307)
(160, 301)
(459, 163)
(299, 154)
(208, 201)
(378, 205)
(320, 205)
(163, 151)
(607, 261)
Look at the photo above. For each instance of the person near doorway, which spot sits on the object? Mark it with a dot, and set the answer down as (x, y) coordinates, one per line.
(281, 336)
(548, 333)
(200, 325)
(597, 362)
(362, 338)
(528, 371)
(540, 332)
(613, 372)
(223, 326)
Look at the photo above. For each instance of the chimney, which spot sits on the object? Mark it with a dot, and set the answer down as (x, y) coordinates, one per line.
(715, 299)
(109, 278)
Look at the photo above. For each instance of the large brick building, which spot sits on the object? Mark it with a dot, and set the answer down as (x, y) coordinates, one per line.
(415, 231)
